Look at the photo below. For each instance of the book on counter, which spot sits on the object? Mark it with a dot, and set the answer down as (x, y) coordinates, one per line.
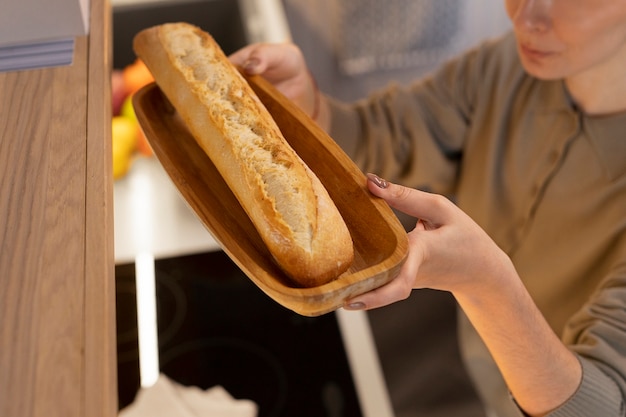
(38, 34)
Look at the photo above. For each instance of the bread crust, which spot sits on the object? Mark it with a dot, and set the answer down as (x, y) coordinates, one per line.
(286, 202)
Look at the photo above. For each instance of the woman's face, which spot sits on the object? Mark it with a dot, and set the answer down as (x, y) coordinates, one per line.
(566, 38)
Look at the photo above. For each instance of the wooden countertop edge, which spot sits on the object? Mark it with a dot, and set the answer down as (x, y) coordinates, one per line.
(100, 361)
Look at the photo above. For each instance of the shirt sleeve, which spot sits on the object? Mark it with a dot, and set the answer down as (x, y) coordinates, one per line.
(597, 395)
(596, 333)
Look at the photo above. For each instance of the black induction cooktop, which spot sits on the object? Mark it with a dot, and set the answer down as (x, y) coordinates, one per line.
(216, 327)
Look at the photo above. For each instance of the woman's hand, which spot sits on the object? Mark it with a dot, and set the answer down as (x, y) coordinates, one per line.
(284, 66)
(447, 249)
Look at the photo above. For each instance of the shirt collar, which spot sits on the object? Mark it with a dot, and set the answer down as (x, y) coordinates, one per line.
(608, 137)
(607, 133)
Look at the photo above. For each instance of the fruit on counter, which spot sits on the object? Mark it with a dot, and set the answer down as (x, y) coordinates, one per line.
(118, 91)
(124, 137)
(136, 75)
(127, 135)
(128, 111)
(123, 132)
(121, 162)
(125, 82)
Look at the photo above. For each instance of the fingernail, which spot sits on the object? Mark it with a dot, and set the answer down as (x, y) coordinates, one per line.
(250, 65)
(355, 306)
(379, 182)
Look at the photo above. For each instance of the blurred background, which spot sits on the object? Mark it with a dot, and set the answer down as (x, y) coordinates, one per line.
(355, 46)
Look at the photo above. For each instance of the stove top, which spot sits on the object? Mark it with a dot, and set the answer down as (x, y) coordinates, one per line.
(217, 328)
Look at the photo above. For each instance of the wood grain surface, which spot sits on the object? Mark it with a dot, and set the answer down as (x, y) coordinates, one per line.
(380, 242)
(57, 305)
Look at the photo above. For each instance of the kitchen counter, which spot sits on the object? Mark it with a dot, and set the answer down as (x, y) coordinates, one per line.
(152, 217)
(57, 288)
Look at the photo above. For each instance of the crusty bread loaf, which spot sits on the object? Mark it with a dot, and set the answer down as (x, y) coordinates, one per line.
(286, 202)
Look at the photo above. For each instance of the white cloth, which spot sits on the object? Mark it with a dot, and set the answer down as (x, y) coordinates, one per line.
(166, 398)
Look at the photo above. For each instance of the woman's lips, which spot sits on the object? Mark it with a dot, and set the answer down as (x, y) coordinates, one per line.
(534, 53)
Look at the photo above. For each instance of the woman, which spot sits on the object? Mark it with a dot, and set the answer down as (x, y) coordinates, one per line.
(527, 134)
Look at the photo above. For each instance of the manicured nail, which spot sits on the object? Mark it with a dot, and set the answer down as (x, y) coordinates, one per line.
(379, 182)
(355, 306)
(250, 65)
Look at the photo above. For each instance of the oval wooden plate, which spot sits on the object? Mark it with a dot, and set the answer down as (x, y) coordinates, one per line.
(380, 242)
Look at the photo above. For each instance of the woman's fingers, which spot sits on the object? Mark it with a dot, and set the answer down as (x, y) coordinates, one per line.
(397, 289)
(251, 58)
(433, 255)
(276, 62)
(431, 209)
(283, 66)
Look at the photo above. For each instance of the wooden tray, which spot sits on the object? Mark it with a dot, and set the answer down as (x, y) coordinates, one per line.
(380, 242)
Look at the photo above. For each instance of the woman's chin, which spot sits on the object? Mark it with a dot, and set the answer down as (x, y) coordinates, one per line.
(541, 72)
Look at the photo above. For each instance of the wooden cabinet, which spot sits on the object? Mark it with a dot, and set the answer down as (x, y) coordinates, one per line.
(57, 284)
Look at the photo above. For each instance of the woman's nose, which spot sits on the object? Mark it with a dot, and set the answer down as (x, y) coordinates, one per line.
(533, 15)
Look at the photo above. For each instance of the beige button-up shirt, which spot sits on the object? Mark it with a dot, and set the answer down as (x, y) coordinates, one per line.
(547, 182)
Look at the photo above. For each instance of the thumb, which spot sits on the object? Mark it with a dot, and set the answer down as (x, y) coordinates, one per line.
(253, 59)
(428, 207)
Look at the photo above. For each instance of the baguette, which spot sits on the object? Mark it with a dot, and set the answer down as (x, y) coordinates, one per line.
(286, 202)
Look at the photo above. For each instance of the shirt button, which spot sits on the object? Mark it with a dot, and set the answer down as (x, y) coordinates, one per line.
(534, 190)
(554, 156)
